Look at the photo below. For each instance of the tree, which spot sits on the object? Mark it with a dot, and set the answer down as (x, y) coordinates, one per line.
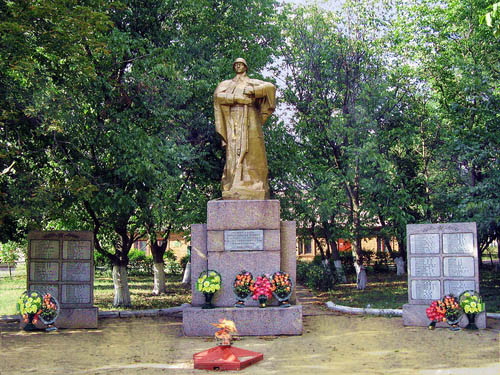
(9, 254)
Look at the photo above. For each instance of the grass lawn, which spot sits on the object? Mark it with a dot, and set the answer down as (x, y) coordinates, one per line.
(140, 292)
(386, 290)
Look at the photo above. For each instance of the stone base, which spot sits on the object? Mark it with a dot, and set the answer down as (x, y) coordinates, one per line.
(250, 321)
(415, 315)
(73, 318)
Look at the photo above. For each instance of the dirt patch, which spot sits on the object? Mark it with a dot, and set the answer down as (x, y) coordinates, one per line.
(330, 344)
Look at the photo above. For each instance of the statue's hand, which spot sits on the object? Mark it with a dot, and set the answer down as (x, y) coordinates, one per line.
(249, 90)
(243, 100)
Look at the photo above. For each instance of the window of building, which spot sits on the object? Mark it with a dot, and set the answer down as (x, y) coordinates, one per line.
(141, 245)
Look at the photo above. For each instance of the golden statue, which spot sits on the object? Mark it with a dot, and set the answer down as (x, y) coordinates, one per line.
(242, 105)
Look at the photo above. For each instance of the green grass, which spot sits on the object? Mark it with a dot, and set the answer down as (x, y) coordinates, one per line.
(386, 290)
(140, 293)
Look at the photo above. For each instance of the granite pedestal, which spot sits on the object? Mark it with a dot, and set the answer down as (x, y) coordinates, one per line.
(242, 235)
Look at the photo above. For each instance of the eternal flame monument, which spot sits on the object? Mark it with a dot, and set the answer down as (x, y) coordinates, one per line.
(243, 230)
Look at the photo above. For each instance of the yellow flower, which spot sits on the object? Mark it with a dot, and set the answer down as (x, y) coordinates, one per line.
(206, 284)
(473, 304)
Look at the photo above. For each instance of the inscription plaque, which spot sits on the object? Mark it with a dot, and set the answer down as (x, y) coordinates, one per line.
(458, 266)
(46, 288)
(44, 271)
(44, 249)
(424, 243)
(456, 287)
(73, 271)
(244, 239)
(76, 250)
(458, 243)
(425, 289)
(425, 267)
(77, 294)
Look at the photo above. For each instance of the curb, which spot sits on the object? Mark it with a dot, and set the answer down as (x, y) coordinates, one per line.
(171, 311)
(380, 312)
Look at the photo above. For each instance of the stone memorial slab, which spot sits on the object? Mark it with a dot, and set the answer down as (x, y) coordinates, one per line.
(44, 271)
(442, 259)
(77, 250)
(457, 287)
(61, 263)
(76, 271)
(458, 266)
(425, 289)
(44, 249)
(76, 294)
(458, 243)
(425, 267)
(244, 240)
(424, 243)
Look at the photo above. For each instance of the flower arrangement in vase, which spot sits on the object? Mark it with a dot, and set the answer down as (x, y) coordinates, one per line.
(472, 304)
(283, 287)
(242, 285)
(208, 283)
(29, 305)
(262, 290)
(453, 311)
(49, 311)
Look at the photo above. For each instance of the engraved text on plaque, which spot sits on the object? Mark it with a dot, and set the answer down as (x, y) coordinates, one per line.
(424, 243)
(458, 266)
(425, 289)
(44, 249)
(425, 267)
(458, 243)
(244, 239)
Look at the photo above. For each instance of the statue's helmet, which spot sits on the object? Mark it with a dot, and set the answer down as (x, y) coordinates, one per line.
(240, 60)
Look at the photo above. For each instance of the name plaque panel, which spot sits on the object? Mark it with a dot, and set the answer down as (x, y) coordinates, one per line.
(76, 271)
(458, 266)
(458, 243)
(424, 243)
(46, 288)
(44, 249)
(425, 267)
(425, 289)
(44, 271)
(76, 294)
(457, 287)
(244, 239)
(76, 249)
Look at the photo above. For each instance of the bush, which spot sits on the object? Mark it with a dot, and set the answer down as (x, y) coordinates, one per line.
(381, 262)
(101, 262)
(315, 275)
(139, 263)
(184, 261)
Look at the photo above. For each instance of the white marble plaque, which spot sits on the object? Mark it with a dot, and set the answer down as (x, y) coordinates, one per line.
(44, 249)
(76, 294)
(76, 250)
(424, 243)
(244, 239)
(44, 271)
(76, 271)
(458, 243)
(425, 289)
(458, 266)
(457, 287)
(425, 267)
(53, 290)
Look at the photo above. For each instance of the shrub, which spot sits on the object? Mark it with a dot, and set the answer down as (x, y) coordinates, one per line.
(315, 275)
(184, 261)
(302, 268)
(139, 263)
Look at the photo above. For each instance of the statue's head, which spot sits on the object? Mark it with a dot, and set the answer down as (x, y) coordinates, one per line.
(240, 60)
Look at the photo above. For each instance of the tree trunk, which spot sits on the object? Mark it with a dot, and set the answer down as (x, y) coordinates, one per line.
(361, 278)
(120, 282)
(159, 286)
(187, 274)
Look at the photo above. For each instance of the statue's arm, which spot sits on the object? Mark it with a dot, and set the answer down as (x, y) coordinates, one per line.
(222, 97)
(263, 89)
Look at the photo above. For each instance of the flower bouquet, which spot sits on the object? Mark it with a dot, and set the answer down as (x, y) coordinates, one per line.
(283, 287)
(49, 310)
(241, 287)
(453, 311)
(208, 283)
(436, 313)
(472, 304)
(29, 305)
(262, 290)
